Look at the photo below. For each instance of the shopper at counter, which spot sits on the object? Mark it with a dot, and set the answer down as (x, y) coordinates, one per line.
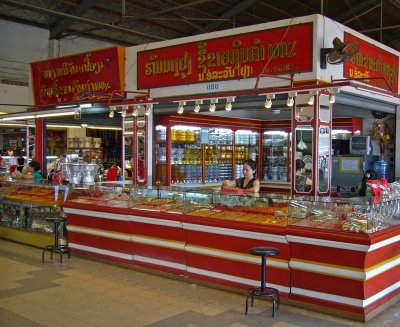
(32, 172)
(249, 182)
(301, 180)
(12, 160)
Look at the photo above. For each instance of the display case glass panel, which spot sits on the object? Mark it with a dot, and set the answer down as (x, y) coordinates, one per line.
(186, 154)
(161, 155)
(304, 159)
(246, 147)
(276, 156)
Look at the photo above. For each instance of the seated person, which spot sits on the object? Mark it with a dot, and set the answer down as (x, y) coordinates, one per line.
(32, 172)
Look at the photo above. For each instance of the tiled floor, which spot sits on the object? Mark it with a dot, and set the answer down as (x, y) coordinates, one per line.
(83, 292)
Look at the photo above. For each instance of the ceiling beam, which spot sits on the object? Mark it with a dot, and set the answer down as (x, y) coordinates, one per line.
(80, 19)
(243, 5)
(62, 25)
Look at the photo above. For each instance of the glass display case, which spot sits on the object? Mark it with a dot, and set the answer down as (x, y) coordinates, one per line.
(354, 215)
(276, 156)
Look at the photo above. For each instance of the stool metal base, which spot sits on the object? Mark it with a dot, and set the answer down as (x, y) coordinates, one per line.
(267, 292)
(60, 249)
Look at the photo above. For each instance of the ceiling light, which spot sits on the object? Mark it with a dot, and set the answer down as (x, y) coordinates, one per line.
(18, 117)
(310, 100)
(197, 105)
(275, 111)
(123, 113)
(135, 111)
(105, 127)
(268, 101)
(84, 125)
(62, 126)
(180, 107)
(228, 106)
(148, 109)
(290, 100)
(332, 98)
(111, 114)
(213, 105)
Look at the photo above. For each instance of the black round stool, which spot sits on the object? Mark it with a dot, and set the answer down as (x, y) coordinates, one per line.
(56, 247)
(263, 291)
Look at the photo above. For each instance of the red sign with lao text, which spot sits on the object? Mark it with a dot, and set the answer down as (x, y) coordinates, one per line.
(84, 77)
(373, 65)
(279, 51)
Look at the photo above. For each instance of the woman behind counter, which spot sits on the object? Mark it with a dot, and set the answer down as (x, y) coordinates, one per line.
(249, 182)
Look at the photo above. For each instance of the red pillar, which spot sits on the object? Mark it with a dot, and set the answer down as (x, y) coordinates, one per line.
(39, 142)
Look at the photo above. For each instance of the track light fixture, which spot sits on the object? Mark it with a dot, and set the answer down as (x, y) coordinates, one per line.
(135, 111)
(213, 105)
(197, 105)
(268, 101)
(332, 97)
(228, 105)
(180, 107)
(310, 100)
(290, 100)
(148, 109)
(112, 111)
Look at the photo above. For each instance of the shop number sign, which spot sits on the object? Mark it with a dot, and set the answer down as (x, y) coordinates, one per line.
(280, 51)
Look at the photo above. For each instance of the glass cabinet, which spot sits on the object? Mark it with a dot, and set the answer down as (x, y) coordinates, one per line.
(276, 156)
(198, 153)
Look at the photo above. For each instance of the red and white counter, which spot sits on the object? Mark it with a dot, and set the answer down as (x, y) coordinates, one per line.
(348, 274)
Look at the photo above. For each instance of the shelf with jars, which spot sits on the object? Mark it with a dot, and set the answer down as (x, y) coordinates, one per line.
(194, 150)
(88, 154)
(276, 156)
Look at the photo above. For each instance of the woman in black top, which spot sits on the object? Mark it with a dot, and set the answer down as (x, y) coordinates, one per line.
(301, 180)
(249, 182)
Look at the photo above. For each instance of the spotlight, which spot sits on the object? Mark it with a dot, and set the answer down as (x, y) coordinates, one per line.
(310, 100)
(135, 111)
(290, 100)
(180, 109)
(228, 105)
(148, 109)
(112, 111)
(197, 105)
(268, 101)
(123, 113)
(332, 98)
(213, 105)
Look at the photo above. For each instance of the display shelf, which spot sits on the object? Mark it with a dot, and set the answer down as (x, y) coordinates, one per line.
(88, 154)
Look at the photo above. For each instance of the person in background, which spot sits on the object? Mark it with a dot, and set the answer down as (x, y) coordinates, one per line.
(21, 163)
(363, 189)
(301, 180)
(249, 182)
(32, 172)
(12, 161)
